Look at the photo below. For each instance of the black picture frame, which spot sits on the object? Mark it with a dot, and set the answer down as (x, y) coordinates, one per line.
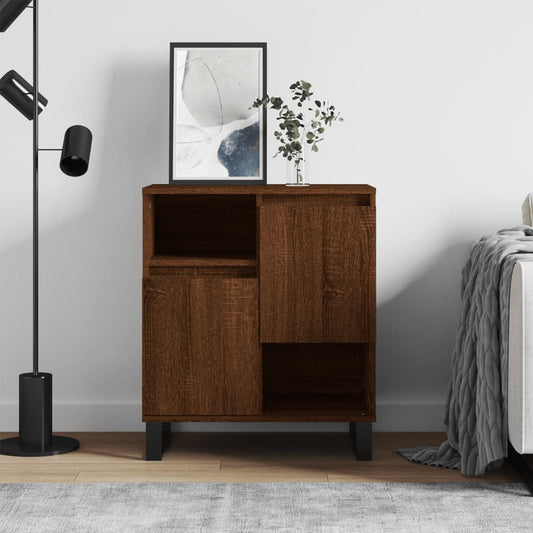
(261, 113)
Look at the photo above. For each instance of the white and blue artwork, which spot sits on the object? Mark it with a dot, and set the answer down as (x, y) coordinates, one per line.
(216, 134)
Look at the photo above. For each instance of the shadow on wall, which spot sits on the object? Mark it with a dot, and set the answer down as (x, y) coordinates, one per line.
(416, 331)
(91, 272)
(416, 334)
(91, 266)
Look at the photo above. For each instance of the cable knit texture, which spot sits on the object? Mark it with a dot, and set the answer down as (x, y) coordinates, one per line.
(476, 407)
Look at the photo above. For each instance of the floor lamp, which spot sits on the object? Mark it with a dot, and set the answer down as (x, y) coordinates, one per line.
(35, 388)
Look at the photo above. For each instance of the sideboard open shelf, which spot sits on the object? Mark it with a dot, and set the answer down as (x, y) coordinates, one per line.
(259, 305)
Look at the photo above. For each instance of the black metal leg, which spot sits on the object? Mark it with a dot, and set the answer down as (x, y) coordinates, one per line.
(166, 434)
(522, 466)
(154, 441)
(361, 435)
(157, 439)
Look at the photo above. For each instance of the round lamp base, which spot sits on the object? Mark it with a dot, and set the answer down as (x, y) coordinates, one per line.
(59, 445)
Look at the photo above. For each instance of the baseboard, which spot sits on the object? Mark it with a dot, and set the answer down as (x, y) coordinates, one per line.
(410, 416)
(126, 416)
(82, 416)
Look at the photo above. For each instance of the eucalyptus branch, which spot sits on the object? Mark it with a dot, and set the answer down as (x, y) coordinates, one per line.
(292, 130)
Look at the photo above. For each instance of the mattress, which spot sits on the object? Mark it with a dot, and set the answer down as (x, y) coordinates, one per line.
(520, 381)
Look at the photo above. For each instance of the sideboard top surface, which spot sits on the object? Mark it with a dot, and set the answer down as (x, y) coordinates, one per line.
(258, 189)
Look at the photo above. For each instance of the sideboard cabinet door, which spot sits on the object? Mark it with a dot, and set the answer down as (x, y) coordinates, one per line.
(317, 273)
(200, 346)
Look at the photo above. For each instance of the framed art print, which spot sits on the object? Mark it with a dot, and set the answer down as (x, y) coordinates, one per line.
(216, 137)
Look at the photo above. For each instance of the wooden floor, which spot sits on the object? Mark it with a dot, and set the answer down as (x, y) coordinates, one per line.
(235, 457)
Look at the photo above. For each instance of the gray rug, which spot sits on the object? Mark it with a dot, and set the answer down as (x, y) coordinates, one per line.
(272, 507)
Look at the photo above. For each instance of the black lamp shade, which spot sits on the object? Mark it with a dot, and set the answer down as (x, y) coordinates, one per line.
(19, 93)
(10, 10)
(76, 151)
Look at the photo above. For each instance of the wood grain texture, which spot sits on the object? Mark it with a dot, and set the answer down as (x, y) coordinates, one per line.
(317, 274)
(296, 408)
(340, 407)
(349, 272)
(216, 260)
(148, 231)
(311, 200)
(38, 473)
(200, 349)
(227, 271)
(238, 457)
(159, 189)
(369, 380)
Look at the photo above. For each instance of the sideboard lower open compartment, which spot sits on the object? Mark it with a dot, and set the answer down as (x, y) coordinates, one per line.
(313, 381)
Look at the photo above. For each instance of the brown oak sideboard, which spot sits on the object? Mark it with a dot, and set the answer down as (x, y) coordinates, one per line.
(259, 304)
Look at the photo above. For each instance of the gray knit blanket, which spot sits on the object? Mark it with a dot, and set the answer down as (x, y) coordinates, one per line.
(476, 406)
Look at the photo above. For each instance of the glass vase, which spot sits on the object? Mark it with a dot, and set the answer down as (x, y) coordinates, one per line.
(297, 171)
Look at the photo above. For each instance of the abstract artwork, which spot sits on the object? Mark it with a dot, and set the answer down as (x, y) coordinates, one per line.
(216, 137)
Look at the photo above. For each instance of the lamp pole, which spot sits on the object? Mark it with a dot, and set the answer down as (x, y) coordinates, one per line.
(35, 187)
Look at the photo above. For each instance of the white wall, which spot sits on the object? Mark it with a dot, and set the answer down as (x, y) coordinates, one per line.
(438, 102)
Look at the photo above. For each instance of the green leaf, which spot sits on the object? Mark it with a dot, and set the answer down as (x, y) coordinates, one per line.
(291, 122)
